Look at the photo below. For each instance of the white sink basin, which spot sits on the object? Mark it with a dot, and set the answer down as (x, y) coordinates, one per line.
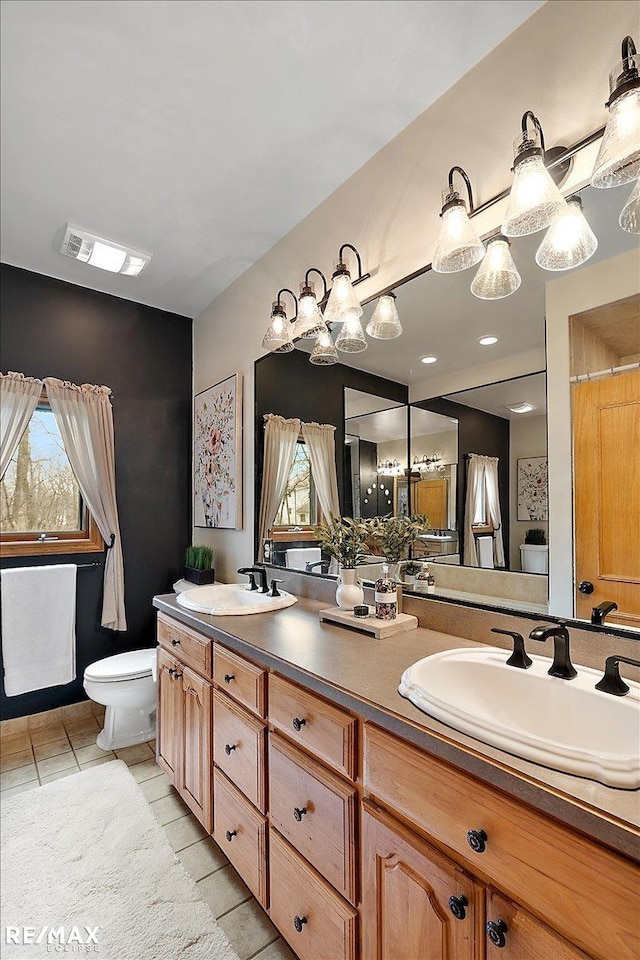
(563, 724)
(232, 600)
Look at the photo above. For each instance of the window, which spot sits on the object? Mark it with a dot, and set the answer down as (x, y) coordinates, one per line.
(41, 508)
(299, 507)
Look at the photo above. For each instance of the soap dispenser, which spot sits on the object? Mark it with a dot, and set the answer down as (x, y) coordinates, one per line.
(386, 596)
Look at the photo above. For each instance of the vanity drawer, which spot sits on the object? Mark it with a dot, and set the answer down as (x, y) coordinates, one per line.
(191, 648)
(323, 729)
(578, 887)
(240, 679)
(239, 748)
(241, 833)
(315, 811)
(310, 915)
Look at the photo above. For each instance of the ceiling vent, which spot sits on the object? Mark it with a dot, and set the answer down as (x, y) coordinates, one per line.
(104, 254)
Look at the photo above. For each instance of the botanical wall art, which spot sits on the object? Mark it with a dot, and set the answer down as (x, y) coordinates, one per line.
(217, 455)
(532, 489)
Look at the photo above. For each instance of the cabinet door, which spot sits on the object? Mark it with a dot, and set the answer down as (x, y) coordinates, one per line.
(169, 738)
(408, 897)
(197, 768)
(513, 934)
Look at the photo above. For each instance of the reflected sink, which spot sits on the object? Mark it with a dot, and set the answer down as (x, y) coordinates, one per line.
(232, 600)
(562, 724)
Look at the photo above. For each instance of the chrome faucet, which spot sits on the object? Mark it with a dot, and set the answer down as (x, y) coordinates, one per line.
(599, 613)
(561, 666)
(262, 573)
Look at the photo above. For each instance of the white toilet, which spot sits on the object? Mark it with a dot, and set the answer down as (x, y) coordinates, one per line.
(534, 558)
(126, 685)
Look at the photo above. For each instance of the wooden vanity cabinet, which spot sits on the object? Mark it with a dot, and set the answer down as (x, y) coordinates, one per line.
(521, 936)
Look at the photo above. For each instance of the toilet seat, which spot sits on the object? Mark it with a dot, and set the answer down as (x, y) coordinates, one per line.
(133, 665)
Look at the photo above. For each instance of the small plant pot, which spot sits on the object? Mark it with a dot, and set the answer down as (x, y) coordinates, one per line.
(201, 577)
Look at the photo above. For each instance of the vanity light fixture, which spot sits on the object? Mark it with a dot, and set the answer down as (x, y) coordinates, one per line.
(324, 353)
(343, 303)
(428, 464)
(569, 241)
(524, 407)
(487, 341)
(459, 246)
(618, 159)
(351, 338)
(389, 468)
(103, 254)
(497, 276)
(630, 216)
(310, 321)
(279, 334)
(534, 201)
(385, 322)
(428, 359)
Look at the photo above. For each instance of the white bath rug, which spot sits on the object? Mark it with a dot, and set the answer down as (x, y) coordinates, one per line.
(87, 871)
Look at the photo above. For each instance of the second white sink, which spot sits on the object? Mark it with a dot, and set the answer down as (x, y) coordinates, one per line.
(232, 600)
(567, 725)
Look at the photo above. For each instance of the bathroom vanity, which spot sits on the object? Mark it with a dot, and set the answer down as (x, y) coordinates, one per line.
(367, 829)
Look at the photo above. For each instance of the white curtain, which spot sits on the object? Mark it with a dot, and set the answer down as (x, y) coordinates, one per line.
(482, 506)
(280, 438)
(85, 418)
(19, 397)
(321, 446)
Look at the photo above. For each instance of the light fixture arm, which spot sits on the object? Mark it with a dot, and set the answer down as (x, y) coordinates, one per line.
(467, 182)
(349, 246)
(527, 116)
(295, 300)
(629, 78)
(320, 274)
(628, 51)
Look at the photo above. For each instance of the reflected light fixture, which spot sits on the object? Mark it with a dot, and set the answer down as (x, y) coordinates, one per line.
(487, 341)
(630, 216)
(389, 468)
(498, 275)
(534, 201)
(569, 241)
(279, 333)
(459, 246)
(343, 302)
(618, 159)
(385, 322)
(524, 407)
(310, 321)
(428, 359)
(324, 353)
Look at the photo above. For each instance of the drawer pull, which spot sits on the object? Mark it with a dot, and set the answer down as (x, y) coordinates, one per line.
(298, 724)
(496, 932)
(477, 840)
(457, 906)
(175, 643)
(174, 674)
(231, 834)
(228, 747)
(298, 923)
(228, 677)
(299, 813)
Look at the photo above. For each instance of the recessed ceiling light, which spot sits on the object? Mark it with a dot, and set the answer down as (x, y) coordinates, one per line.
(487, 341)
(101, 253)
(522, 407)
(428, 359)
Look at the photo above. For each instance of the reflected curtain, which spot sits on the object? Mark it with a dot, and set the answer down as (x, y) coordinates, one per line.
(280, 438)
(19, 397)
(321, 446)
(85, 418)
(482, 505)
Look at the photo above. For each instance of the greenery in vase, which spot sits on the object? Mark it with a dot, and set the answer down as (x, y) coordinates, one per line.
(535, 535)
(199, 557)
(343, 539)
(394, 535)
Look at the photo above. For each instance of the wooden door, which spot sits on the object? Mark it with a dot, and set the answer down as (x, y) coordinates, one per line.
(196, 784)
(606, 467)
(523, 936)
(406, 891)
(170, 723)
(430, 498)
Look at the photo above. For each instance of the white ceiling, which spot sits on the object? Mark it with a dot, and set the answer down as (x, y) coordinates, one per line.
(202, 132)
(496, 398)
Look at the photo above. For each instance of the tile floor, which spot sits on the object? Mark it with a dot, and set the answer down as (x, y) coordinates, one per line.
(61, 743)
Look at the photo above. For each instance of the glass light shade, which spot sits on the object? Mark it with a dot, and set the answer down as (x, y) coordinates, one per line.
(278, 334)
(630, 216)
(385, 322)
(498, 275)
(324, 353)
(534, 200)
(568, 242)
(343, 302)
(459, 245)
(351, 338)
(618, 159)
(310, 321)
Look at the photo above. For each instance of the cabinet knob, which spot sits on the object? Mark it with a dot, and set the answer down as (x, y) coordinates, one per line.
(228, 677)
(298, 923)
(175, 643)
(171, 671)
(457, 906)
(298, 723)
(228, 747)
(477, 840)
(231, 834)
(299, 813)
(496, 932)
(176, 674)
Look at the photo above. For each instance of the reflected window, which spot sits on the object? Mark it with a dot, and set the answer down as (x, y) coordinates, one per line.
(299, 505)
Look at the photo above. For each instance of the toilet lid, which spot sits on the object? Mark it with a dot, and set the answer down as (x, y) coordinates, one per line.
(124, 666)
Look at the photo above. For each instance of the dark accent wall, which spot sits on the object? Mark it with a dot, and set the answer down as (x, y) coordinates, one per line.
(483, 433)
(53, 328)
(288, 385)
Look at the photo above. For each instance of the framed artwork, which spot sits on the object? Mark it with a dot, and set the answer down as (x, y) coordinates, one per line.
(400, 497)
(532, 489)
(217, 455)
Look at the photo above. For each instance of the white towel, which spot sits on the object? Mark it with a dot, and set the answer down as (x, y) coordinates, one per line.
(297, 559)
(485, 552)
(38, 627)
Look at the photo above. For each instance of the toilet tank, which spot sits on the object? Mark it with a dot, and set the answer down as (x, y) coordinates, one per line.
(534, 558)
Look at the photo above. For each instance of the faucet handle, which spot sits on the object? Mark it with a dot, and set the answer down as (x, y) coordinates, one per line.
(519, 658)
(612, 682)
(252, 582)
(274, 592)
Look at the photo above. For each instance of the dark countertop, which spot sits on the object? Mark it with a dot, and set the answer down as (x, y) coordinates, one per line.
(362, 674)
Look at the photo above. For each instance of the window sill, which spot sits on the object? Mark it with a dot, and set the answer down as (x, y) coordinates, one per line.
(293, 536)
(93, 543)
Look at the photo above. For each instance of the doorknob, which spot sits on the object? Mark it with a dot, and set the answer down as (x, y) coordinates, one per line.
(585, 586)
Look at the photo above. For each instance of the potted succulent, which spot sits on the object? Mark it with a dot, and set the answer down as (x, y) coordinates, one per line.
(394, 535)
(198, 565)
(409, 570)
(536, 535)
(344, 539)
